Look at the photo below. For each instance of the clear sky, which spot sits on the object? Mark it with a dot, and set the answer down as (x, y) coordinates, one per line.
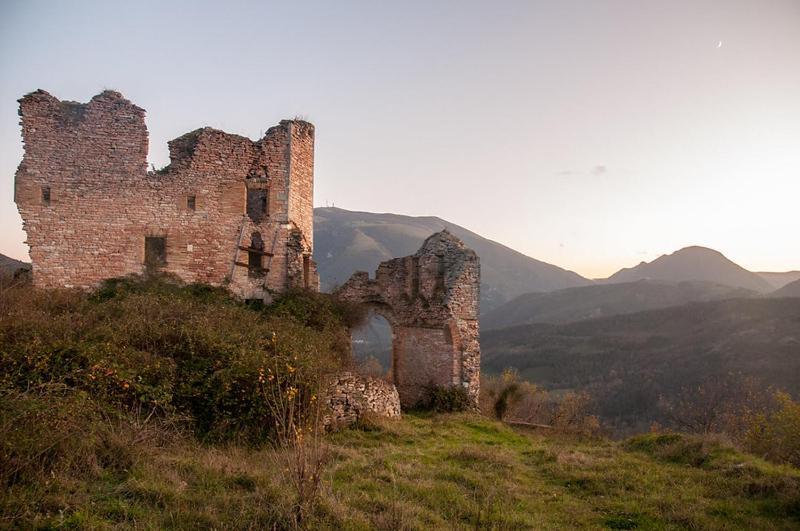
(590, 134)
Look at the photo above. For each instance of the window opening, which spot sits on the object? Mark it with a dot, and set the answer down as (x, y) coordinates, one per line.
(257, 203)
(306, 270)
(155, 252)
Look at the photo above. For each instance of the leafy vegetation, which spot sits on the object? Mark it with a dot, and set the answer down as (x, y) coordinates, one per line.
(166, 349)
(445, 399)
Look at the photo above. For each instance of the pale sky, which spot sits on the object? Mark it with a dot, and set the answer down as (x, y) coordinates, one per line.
(589, 134)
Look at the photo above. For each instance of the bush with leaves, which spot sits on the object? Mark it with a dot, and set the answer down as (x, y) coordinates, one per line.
(445, 399)
(775, 433)
(503, 392)
(169, 348)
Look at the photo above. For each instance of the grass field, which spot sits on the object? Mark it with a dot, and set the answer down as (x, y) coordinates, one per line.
(455, 471)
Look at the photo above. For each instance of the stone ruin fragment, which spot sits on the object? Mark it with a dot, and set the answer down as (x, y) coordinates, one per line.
(430, 299)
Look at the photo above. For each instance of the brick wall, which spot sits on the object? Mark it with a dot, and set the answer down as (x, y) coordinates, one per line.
(88, 202)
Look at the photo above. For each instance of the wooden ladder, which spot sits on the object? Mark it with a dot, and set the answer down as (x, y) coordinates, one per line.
(271, 253)
(238, 246)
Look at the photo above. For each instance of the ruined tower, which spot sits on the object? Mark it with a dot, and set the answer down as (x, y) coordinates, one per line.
(431, 301)
(225, 211)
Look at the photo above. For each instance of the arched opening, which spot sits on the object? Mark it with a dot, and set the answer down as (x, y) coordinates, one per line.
(372, 346)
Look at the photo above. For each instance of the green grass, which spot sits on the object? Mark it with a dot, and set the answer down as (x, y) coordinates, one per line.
(456, 471)
(467, 472)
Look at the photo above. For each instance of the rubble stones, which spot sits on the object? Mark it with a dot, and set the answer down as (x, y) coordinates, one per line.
(351, 396)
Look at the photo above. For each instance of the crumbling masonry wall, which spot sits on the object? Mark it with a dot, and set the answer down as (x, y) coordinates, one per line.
(431, 301)
(226, 211)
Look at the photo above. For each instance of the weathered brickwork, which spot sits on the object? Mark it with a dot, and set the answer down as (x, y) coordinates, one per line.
(431, 301)
(351, 396)
(226, 211)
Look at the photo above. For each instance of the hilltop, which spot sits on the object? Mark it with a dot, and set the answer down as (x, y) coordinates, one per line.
(10, 265)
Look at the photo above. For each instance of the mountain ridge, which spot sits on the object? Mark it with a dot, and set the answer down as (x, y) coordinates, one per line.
(779, 279)
(603, 300)
(347, 241)
(792, 289)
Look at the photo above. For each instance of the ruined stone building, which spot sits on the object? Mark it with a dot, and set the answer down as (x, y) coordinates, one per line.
(226, 211)
(430, 299)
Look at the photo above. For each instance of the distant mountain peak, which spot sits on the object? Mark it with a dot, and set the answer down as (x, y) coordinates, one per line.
(697, 249)
(694, 262)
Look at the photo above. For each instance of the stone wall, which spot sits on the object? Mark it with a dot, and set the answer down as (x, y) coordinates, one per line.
(431, 300)
(350, 396)
(88, 202)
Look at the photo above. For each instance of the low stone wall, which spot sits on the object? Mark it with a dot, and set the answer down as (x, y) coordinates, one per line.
(350, 396)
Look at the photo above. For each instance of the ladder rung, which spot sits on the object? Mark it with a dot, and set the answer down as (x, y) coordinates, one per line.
(254, 250)
(242, 264)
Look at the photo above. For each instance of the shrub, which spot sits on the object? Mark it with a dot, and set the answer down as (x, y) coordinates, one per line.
(572, 415)
(509, 398)
(503, 392)
(445, 399)
(167, 348)
(301, 454)
(776, 434)
(53, 430)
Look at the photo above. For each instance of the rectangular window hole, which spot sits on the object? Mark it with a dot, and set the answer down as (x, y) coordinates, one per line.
(155, 252)
(257, 203)
(45, 195)
(191, 202)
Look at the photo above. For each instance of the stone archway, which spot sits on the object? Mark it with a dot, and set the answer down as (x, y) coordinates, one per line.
(372, 344)
(430, 299)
